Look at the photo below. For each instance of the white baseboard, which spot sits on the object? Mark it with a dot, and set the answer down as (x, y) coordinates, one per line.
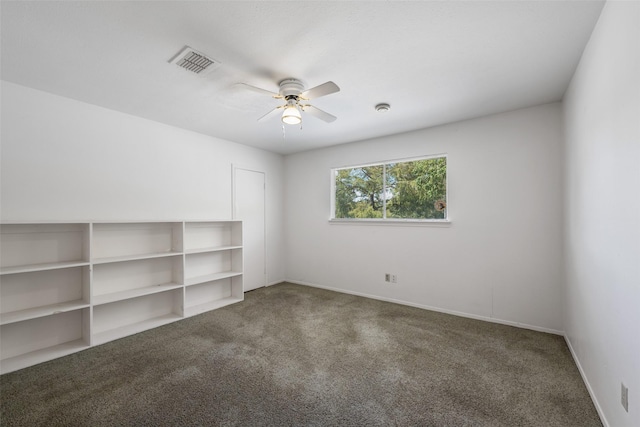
(439, 310)
(586, 383)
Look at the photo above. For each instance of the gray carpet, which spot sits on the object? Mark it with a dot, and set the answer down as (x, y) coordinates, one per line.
(291, 355)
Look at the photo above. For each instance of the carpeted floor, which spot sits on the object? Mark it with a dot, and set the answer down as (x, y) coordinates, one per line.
(291, 355)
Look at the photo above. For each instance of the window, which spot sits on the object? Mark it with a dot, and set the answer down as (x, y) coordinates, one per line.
(414, 189)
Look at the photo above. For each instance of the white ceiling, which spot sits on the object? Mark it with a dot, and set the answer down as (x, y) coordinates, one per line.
(434, 62)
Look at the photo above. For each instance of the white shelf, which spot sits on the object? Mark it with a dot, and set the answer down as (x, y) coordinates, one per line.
(47, 310)
(211, 234)
(69, 286)
(134, 257)
(211, 277)
(39, 356)
(211, 305)
(134, 293)
(211, 249)
(36, 340)
(121, 332)
(42, 267)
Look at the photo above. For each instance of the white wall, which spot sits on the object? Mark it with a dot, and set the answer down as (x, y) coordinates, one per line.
(602, 223)
(66, 160)
(499, 259)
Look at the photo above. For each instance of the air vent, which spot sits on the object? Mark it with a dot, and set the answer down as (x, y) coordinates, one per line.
(194, 61)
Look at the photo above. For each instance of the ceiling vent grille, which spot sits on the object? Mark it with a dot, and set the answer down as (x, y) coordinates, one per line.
(194, 61)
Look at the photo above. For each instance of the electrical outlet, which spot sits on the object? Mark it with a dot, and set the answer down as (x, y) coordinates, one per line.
(387, 277)
(624, 396)
(394, 278)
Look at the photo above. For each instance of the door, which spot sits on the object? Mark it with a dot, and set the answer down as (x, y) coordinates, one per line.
(249, 206)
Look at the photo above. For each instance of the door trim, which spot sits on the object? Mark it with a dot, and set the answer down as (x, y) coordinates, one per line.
(234, 168)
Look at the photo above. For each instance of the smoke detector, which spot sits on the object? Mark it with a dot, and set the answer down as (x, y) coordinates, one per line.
(194, 61)
(383, 108)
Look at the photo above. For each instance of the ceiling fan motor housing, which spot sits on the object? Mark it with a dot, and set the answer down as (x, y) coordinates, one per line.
(291, 88)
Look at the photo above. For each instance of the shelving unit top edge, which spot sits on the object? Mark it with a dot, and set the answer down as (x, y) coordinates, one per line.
(4, 222)
(116, 221)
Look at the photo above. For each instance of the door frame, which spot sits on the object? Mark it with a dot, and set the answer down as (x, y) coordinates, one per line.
(234, 168)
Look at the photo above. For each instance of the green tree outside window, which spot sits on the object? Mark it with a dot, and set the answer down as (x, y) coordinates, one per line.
(414, 189)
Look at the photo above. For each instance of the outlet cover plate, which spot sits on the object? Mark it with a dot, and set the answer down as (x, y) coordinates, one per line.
(624, 396)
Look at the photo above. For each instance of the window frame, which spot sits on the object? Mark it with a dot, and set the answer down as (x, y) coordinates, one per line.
(384, 220)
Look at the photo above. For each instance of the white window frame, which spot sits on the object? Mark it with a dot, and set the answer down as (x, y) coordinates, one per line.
(388, 221)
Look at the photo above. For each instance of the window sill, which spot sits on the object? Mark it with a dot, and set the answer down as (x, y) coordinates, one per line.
(392, 222)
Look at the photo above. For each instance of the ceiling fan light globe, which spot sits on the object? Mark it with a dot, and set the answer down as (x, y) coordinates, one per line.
(291, 116)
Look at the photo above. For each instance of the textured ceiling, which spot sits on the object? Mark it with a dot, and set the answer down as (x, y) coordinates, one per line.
(434, 62)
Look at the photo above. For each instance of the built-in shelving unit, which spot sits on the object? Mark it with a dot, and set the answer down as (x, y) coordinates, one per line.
(67, 286)
(213, 266)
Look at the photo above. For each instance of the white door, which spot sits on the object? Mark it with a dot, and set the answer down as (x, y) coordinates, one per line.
(249, 198)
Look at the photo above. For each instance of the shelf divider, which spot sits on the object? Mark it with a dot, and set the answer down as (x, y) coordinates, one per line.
(211, 277)
(211, 249)
(42, 311)
(124, 331)
(211, 305)
(134, 257)
(39, 356)
(42, 267)
(134, 293)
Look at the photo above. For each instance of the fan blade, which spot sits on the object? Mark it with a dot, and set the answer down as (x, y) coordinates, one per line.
(260, 90)
(270, 114)
(318, 113)
(324, 89)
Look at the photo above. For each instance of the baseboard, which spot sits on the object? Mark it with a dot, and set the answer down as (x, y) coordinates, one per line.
(437, 309)
(586, 382)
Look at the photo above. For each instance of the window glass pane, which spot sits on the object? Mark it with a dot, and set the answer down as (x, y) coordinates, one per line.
(417, 189)
(359, 192)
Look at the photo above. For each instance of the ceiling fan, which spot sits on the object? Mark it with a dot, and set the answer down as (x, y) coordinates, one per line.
(292, 91)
